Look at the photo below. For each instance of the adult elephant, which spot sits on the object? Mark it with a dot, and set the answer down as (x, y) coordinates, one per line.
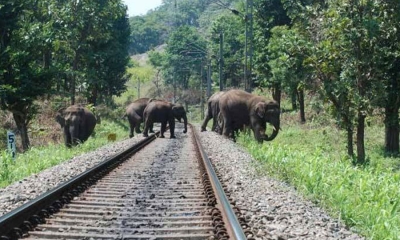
(241, 109)
(134, 112)
(212, 112)
(78, 123)
(163, 112)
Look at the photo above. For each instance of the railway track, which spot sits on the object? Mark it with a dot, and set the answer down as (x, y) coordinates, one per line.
(158, 189)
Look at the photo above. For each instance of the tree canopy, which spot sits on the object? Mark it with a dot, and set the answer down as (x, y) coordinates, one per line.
(56, 47)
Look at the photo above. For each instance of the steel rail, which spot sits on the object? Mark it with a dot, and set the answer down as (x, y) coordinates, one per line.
(233, 226)
(15, 222)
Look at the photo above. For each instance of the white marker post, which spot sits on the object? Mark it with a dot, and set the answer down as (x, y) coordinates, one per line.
(11, 143)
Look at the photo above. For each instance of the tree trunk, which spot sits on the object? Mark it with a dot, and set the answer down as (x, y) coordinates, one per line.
(21, 120)
(93, 96)
(301, 103)
(392, 129)
(276, 93)
(73, 78)
(350, 150)
(360, 138)
(294, 99)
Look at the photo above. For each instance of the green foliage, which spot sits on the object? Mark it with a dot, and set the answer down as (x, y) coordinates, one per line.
(270, 13)
(231, 27)
(315, 162)
(94, 51)
(40, 158)
(146, 34)
(155, 27)
(288, 49)
(140, 80)
(52, 46)
(185, 56)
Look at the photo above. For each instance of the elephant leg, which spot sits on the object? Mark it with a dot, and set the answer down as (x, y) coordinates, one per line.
(151, 128)
(67, 138)
(234, 134)
(146, 128)
(204, 125)
(132, 124)
(215, 124)
(137, 128)
(163, 129)
(172, 127)
(227, 130)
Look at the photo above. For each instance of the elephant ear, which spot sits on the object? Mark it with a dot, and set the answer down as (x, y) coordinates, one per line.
(60, 120)
(176, 110)
(60, 117)
(260, 109)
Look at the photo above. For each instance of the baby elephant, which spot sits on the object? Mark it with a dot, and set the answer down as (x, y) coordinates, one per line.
(163, 112)
(78, 123)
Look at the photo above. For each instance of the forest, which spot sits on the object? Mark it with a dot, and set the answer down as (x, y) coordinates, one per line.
(345, 53)
(333, 66)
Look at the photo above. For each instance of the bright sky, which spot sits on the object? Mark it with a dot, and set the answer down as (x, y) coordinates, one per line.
(140, 7)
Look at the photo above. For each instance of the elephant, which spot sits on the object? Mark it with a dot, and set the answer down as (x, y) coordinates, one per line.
(212, 112)
(240, 109)
(134, 112)
(163, 112)
(78, 123)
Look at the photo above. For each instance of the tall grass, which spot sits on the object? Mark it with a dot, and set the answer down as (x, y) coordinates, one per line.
(313, 159)
(40, 158)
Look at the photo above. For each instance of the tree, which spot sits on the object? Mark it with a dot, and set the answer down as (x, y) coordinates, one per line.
(145, 34)
(389, 50)
(270, 13)
(93, 51)
(105, 64)
(288, 50)
(344, 55)
(231, 26)
(25, 67)
(183, 56)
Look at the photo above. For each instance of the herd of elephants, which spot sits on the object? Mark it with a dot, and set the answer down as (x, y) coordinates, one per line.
(231, 111)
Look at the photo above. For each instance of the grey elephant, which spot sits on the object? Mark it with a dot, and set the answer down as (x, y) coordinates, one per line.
(78, 123)
(240, 109)
(163, 112)
(212, 112)
(134, 112)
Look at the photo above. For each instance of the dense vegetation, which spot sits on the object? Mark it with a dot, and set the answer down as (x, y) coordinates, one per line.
(332, 65)
(60, 48)
(312, 157)
(344, 51)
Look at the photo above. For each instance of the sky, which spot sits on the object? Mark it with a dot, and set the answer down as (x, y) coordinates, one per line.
(140, 7)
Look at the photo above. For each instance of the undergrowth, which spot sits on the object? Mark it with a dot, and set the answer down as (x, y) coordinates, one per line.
(312, 158)
(40, 158)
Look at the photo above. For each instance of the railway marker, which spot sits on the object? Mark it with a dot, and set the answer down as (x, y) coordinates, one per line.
(11, 144)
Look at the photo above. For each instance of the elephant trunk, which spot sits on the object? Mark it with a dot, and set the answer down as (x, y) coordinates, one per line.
(274, 133)
(185, 123)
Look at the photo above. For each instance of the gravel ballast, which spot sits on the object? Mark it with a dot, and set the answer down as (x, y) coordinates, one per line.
(272, 209)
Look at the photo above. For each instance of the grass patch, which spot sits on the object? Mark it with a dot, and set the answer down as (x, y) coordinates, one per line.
(38, 159)
(313, 159)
